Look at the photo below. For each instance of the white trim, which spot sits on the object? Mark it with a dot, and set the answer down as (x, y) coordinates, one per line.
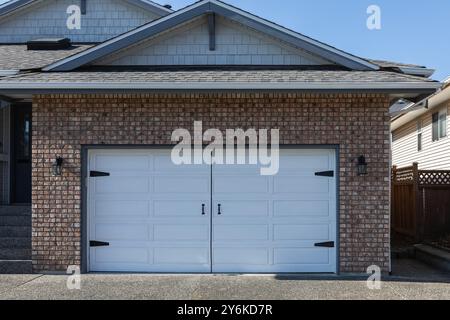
(422, 72)
(223, 86)
(225, 6)
(8, 72)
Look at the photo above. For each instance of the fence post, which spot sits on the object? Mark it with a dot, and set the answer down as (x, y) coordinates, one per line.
(393, 180)
(416, 202)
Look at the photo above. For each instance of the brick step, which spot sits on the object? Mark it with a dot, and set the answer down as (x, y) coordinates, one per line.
(19, 221)
(15, 243)
(15, 232)
(15, 254)
(15, 211)
(16, 267)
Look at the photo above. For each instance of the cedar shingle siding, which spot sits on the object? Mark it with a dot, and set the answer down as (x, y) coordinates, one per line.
(358, 123)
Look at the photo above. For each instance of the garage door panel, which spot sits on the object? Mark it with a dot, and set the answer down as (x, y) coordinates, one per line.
(301, 212)
(239, 232)
(179, 208)
(240, 256)
(115, 162)
(151, 216)
(301, 208)
(121, 208)
(302, 232)
(121, 255)
(120, 231)
(122, 185)
(164, 164)
(181, 255)
(181, 185)
(180, 232)
(304, 163)
(238, 184)
(302, 256)
(243, 208)
(304, 185)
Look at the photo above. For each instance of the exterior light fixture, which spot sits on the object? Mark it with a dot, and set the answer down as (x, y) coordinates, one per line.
(362, 166)
(57, 167)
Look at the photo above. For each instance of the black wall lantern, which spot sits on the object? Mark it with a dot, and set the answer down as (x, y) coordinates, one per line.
(57, 167)
(362, 166)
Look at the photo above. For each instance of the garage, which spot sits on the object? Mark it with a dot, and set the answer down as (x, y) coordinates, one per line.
(145, 214)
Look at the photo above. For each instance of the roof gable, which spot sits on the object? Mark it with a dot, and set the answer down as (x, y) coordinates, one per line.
(206, 7)
(24, 20)
(188, 44)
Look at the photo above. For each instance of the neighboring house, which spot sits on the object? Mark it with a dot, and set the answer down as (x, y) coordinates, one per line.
(119, 203)
(420, 132)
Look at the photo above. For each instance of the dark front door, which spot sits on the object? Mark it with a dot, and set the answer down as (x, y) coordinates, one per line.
(21, 153)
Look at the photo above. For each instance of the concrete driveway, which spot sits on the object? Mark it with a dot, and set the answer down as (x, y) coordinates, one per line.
(212, 287)
(431, 285)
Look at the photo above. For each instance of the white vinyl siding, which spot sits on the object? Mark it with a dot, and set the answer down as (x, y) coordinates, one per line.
(104, 19)
(435, 155)
(189, 45)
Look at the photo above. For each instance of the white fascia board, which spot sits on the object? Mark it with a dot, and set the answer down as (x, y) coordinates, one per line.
(4, 73)
(422, 72)
(219, 86)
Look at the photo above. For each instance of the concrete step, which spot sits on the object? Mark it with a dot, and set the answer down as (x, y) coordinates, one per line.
(15, 254)
(15, 210)
(24, 221)
(15, 243)
(15, 232)
(16, 267)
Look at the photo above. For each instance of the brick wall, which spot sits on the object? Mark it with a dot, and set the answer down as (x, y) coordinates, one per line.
(358, 123)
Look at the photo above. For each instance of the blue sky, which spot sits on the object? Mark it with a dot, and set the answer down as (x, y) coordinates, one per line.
(412, 31)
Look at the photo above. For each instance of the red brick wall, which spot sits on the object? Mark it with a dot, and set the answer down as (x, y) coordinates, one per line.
(358, 123)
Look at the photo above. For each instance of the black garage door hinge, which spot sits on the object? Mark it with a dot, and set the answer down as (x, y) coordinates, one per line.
(329, 244)
(98, 174)
(98, 244)
(325, 174)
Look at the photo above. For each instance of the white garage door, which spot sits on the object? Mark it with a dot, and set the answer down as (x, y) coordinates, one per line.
(148, 215)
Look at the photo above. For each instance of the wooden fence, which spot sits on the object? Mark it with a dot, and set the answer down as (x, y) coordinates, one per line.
(420, 204)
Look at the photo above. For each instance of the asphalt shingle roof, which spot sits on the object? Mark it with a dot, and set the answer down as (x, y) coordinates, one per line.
(236, 76)
(17, 57)
(391, 64)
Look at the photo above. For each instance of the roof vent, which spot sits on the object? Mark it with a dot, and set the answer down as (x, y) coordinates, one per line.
(168, 6)
(49, 44)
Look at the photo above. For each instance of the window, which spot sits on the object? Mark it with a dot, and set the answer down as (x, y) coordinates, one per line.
(419, 135)
(439, 125)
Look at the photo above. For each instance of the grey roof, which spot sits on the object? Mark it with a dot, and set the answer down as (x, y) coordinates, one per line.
(186, 77)
(17, 57)
(391, 64)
